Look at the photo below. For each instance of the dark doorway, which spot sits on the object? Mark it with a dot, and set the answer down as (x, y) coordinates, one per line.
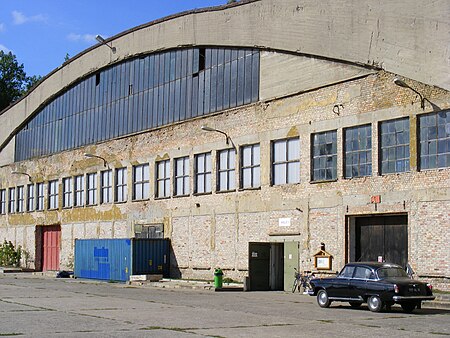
(382, 236)
(266, 266)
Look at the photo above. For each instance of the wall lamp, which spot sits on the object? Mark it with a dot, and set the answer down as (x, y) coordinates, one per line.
(100, 39)
(401, 83)
(206, 128)
(96, 156)
(22, 173)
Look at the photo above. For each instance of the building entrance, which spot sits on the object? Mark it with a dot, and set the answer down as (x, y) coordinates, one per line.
(380, 237)
(48, 241)
(266, 267)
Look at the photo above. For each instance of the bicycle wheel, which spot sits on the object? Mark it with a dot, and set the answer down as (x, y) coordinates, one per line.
(295, 286)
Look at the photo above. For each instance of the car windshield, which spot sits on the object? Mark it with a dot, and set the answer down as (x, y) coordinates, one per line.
(391, 272)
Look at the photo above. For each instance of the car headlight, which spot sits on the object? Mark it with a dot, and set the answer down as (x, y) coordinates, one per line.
(396, 289)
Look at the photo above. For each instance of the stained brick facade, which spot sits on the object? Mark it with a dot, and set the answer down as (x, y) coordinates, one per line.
(214, 230)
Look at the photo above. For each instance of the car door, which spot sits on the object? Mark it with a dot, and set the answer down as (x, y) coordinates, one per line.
(341, 284)
(358, 284)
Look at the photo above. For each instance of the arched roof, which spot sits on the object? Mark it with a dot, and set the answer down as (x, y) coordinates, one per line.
(407, 37)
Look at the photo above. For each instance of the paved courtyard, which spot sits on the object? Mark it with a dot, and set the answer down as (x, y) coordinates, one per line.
(43, 307)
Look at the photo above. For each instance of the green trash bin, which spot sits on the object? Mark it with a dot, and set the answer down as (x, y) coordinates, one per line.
(218, 278)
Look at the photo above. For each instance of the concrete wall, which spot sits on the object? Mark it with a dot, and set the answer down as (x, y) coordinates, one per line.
(406, 37)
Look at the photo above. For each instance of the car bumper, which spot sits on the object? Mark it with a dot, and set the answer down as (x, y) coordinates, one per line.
(406, 298)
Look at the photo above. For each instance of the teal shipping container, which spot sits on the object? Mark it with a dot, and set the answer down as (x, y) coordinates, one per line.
(117, 259)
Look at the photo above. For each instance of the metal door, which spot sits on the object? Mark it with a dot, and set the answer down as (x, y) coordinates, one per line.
(51, 236)
(259, 266)
(291, 261)
(382, 236)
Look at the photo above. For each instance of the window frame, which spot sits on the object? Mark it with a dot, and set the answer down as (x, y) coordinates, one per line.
(326, 157)
(91, 188)
(78, 191)
(143, 182)
(183, 176)
(106, 187)
(229, 171)
(20, 198)
(382, 148)
(205, 174)
(441, 140)
(121, 185)
(40, 196)
(68, 194)
(162, 177)
(368, 165)
(12, 200)
(287, 162)
(53, 195)
(31, 195)
(3, 203)
(252, 167)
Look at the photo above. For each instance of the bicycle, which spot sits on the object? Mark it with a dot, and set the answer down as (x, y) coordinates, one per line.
(302, 281)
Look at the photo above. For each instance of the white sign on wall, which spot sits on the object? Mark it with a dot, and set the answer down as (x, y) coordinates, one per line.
(284, 222)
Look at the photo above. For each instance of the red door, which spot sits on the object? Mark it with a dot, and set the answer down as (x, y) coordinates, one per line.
(50, 247)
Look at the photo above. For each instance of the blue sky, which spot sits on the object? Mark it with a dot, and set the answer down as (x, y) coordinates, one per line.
(41, 32)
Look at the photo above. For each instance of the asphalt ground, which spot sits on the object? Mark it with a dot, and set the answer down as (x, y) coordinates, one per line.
(34, 306)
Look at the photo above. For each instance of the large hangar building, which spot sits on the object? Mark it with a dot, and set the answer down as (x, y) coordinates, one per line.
(248, 135)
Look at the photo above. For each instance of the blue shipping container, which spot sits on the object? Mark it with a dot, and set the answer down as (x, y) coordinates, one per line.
(117, 259)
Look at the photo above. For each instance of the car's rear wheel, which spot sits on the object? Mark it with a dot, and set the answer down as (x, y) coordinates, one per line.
(322, 299)
(355, 305)
(375, 304)
(408, 307)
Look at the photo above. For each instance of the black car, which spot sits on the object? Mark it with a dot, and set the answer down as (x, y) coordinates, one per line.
(379, 285)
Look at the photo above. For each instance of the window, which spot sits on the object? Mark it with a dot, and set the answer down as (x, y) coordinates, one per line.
(2, 201)
(347, 272)
(362, 273)
(40, 196)
(91, 189)
(106, 186)
(20, 199)
(12, 200)
(226, 176)
(53, 194)
(67, 192)
(182, 176)
(358, 151)
(163, 178)
(394, 146)
(250, 166)
(141, 182)
(79, 190)
(202, 173)
(286, 161)
(30, 197)
(121, 193)
(324, 156)
(435, 140)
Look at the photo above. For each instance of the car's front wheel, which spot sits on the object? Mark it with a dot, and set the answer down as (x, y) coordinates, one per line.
(322, 299)
(408, 307)
(375, 304)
